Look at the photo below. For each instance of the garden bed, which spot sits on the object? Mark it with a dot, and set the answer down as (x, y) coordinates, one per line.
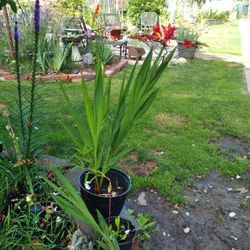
(87, 73)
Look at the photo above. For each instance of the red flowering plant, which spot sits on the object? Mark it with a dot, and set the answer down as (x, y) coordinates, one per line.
(161, 34)
(188, 35)
(96, 12)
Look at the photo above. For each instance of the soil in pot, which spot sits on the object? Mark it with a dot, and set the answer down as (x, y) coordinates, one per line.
(108, 203)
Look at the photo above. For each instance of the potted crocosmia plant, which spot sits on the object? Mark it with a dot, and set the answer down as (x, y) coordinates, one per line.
(99, 134)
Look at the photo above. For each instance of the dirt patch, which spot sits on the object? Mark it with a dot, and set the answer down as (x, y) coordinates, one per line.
(133, 164)
(170, 119)
(2, 106)
(232, 147)
(157, 152)
(233, 65)
(215, 216)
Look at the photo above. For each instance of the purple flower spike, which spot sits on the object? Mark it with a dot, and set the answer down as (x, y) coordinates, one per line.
(37, 16)
(16, 31)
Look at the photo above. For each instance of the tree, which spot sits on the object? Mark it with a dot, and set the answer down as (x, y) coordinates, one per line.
(3, 7)
(137, 7)
(198, 2)
(71, 8)
(11, 3)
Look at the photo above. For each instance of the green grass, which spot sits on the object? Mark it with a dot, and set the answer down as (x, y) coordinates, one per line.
(223, 39)
(198, 101)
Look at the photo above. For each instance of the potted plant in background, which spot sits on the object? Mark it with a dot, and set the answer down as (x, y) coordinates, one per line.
(188, 41)
(99, 134)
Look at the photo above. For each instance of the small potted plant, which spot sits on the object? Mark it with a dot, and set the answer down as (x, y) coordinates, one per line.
(99, 134)
(113, 233)
(123, 230)
(127, 234)
(187, 40)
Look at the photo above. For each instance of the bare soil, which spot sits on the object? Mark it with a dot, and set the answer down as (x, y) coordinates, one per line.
(231, 147)
(216, 215)
(132, 163)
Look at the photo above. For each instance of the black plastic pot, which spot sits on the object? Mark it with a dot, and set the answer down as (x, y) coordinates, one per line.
(184, 52)
(127, 243)
(96, 202)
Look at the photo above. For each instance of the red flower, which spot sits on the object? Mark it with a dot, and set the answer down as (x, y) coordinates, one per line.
(156, 34)
(144, 38)
(97, 10)
(187, 44)
(162, 33)
(168, 32)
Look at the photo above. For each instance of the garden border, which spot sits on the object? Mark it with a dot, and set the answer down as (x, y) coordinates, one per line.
(7, 76)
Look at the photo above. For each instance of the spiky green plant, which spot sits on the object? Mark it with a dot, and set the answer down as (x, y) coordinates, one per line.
(71, 202)
(60, 54)
(101, 133)
(22, 122)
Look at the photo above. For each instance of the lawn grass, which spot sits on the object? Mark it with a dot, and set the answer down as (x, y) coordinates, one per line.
(223, 39)
(197, 102)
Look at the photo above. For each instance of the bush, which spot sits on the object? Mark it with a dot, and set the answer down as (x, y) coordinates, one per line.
(137, 7)
(72, 8)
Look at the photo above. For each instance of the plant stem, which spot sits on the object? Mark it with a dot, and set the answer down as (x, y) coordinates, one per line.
(19, 89)
(32, 96)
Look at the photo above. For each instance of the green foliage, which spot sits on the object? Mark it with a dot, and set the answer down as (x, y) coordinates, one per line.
(43, 55)
(24, 226)
(198, 2)
(119, 229)
(72, 203)
(60, 54)
(184, 33)
(11, 3)
(22, 121)
(72, 8)
(213, 15)
(137, 7)
(101, 51)
(101, 134)
(175, 131)
(5, 58)
(7, 179)
(145, 225)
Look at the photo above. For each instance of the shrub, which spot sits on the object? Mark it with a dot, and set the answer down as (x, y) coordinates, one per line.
(137, 7)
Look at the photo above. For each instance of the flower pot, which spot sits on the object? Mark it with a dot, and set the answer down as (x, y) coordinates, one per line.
(185, 52)
(128, 242)
(136, 244)
(106, 204)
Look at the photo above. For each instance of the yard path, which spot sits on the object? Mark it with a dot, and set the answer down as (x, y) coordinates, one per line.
(245, 42)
